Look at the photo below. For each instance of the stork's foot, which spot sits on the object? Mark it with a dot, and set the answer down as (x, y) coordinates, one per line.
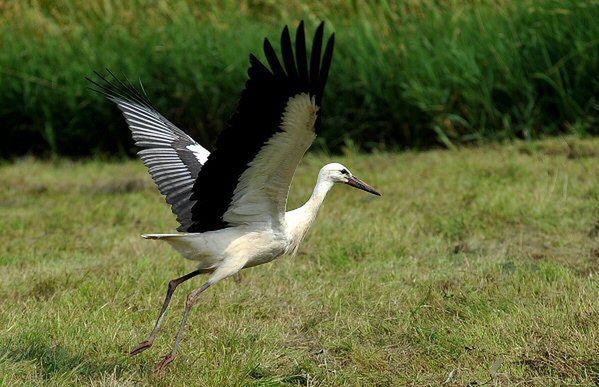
(167, 359)
(142, 347)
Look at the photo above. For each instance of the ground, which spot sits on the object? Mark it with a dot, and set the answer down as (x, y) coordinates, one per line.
(476, 264)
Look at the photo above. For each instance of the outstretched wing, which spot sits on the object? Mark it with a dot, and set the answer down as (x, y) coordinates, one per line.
(173, 158)
(246, 179)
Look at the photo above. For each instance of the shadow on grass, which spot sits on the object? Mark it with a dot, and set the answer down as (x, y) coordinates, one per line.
(53, 359)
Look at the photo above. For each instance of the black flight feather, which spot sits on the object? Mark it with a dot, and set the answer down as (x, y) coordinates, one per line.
(315, 54)
(326, 60)
(272, 59)
(287, 53)
(300, 51)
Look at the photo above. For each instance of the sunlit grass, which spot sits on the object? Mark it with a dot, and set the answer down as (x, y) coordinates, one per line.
(471, 258)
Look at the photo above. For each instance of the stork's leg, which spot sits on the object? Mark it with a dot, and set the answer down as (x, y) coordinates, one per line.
(191, 299)
(228, 268)
(172, 285)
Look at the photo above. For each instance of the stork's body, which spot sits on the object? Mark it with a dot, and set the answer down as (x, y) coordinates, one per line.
(232, 203)
(228, 250)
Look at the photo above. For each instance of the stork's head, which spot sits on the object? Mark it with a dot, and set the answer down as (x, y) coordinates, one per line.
(337, 173)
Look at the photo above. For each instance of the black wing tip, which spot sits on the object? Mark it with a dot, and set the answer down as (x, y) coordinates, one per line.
(296, 62)
(114, 88)
(327, 58)
(101, 85)
(268, 47)
(315, 56)
(285, 35)
(318, 34)
(254, 61)
(288, 55)
(273, 59)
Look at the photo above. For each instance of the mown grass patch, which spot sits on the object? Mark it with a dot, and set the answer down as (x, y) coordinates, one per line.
(476, 263)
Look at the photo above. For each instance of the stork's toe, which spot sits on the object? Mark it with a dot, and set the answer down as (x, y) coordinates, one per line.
(141, 347)
(167, 359)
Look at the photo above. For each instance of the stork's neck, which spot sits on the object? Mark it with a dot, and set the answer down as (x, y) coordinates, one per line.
(322, 188)
(299, 221)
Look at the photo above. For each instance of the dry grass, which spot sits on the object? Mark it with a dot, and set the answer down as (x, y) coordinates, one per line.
(479, 263)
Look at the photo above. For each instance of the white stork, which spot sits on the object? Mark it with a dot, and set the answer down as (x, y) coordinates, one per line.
(231, 203)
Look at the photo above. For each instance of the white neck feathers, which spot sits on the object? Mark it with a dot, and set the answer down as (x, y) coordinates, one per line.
(299, 221)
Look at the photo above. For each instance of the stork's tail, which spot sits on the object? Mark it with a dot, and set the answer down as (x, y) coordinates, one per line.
(160, 236)
(191, 246)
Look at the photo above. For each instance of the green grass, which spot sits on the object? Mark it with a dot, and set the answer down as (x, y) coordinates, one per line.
(407, 73)
(471, 258)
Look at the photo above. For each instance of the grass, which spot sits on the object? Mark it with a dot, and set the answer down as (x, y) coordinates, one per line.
(410, 73)
(479, 263)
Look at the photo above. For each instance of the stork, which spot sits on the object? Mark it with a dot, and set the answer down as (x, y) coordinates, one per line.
(231, 203)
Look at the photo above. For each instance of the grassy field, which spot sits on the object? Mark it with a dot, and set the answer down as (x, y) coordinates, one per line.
(476, 265)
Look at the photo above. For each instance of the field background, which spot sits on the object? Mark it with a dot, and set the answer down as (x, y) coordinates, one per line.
(483, 261)
(478, 265)
(410, 73)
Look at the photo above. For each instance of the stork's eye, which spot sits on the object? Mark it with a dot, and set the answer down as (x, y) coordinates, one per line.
(345, 171)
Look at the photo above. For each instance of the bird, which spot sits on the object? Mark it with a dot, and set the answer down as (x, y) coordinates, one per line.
(231, 203)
